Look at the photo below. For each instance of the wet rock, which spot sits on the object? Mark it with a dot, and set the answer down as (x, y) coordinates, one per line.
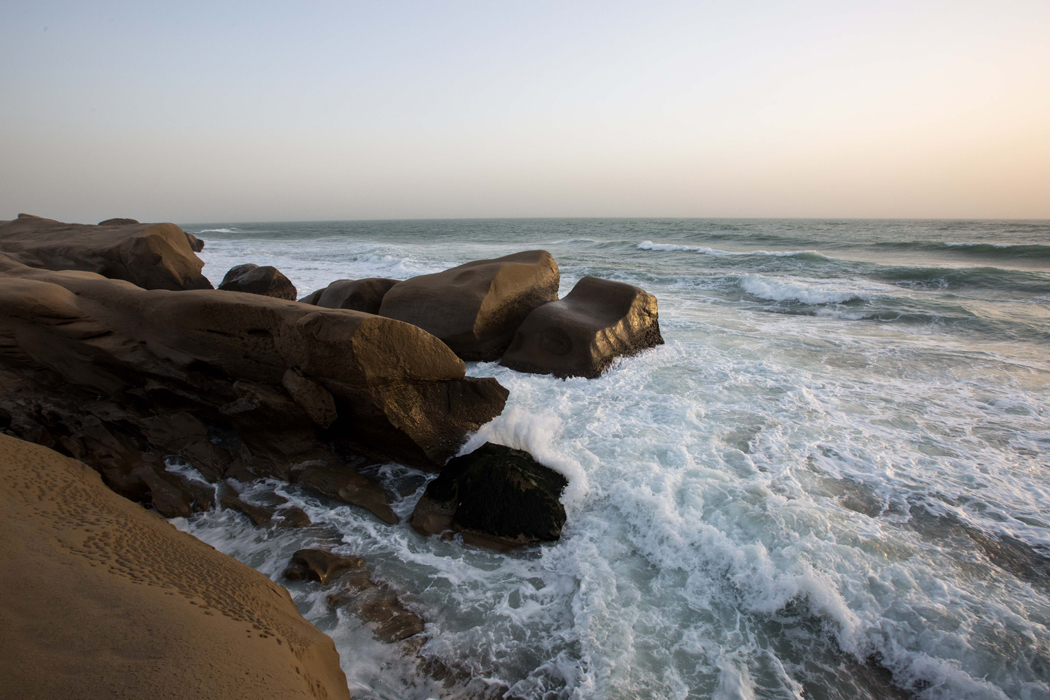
(172, 495)
(319, 565)
(152, 256)
(476, 308)
(378, 604)
(265, 281)
(293, 516)
(580, 336)
(496, 497)
(365, 295)
(229, 499)
(345, 484)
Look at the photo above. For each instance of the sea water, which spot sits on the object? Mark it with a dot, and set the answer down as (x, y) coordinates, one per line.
(832, 481)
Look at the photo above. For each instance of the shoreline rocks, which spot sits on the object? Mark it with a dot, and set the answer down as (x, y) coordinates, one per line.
(100, 598)
(265, 281)
(152, 256)
(496, 497)
(364, 295)
(475, 308)
(580, 336)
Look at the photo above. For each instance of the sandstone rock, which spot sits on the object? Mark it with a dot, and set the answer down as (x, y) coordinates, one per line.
(252, 279)
(293, 516)
(196, 244)
(229, 499)
(347, 485)
(319, 565)
(312, 297)
(476, 308)
(580, 336)
(496, 497)
(357, 295)
(152, 256)
(378, 604)
(399, 393)
(119, 222)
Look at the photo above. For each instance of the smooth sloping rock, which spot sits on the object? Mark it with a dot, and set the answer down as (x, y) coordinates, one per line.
(319, 565)
(357, 295)
(196, 244)
(252, 279)
(476, 308)
(152, 256)
(495, 496)
(312, 297)
(580, 336)
(100, 598)
(399, 393)
(119, 222)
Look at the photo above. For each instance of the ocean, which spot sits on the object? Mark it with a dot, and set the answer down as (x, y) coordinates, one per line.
(831, 482)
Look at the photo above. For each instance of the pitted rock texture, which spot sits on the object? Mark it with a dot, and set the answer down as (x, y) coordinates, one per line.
(152, 256)
(101, 599)
(580, 336)
(476, 308)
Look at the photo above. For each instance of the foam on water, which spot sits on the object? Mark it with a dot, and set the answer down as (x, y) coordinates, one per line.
(771, 505)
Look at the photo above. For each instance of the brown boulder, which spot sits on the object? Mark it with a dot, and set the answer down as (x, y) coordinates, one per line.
(319, 565)
(265, 281)
(152, 256)
(398, 392)
(119, 222)
(580, 336)
(475, 308)
(196, 244)
(357, 295)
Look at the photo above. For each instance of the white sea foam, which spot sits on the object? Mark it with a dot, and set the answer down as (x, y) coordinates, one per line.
(671, 247)
(218, 230)
(743, 503)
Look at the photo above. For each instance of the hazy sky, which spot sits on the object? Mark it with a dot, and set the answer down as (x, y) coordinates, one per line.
(256, 111)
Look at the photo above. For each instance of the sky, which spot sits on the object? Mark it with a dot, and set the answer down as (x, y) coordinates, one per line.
(231, 112)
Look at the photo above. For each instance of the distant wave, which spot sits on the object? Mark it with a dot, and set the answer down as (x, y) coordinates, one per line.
(773, 290)
(1015, 250)
(219, 230)
(670, 247)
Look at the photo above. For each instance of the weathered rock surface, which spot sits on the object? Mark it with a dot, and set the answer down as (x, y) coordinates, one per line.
(357, 295)
(347, 485)
(476, 308)
(101, 599)
(238, 385)
(265, 281)
(196, 244)
(152, 256)
(319, 565)
(580, 336)
(496, 497)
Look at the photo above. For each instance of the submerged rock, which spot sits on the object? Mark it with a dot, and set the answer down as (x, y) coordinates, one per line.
(495, 496)
(364, 295)
(580, 336)
(265, 281)
(475, 308)
(319, 565)
(152, 256)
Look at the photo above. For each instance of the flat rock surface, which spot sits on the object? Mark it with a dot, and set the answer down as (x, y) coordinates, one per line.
(152, 256)
(101, 599)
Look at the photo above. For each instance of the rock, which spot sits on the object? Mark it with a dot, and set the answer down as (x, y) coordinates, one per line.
(312, 297)
(476, 308)
(152, 256)
(398, 393)
(293, 516)
(345, 484)
(102, 599)
(357, 295)
(229, 499)
(251, 279)
(378, 604)
(172, 495)
(319, 565)
(580, 336)
(496, 497)
(196, 244)
(119, 222)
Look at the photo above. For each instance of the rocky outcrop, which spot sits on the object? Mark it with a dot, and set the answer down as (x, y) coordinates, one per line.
(100, 598)
(368, 600)
(476, 308)
(119, 222)
(495, 497)
(580, 336)
(196, 244)
(238, 385)
(357, 295)
(265, 281)
(152, 256)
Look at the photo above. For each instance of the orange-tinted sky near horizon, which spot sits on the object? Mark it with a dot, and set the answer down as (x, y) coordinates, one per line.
(255, 112)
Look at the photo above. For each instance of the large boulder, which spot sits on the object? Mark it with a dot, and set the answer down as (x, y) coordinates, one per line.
(495, 497)
(152, 256)
(288, 381)
(357, 295)
(475, 308)
(265, 281)
(580, 336)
